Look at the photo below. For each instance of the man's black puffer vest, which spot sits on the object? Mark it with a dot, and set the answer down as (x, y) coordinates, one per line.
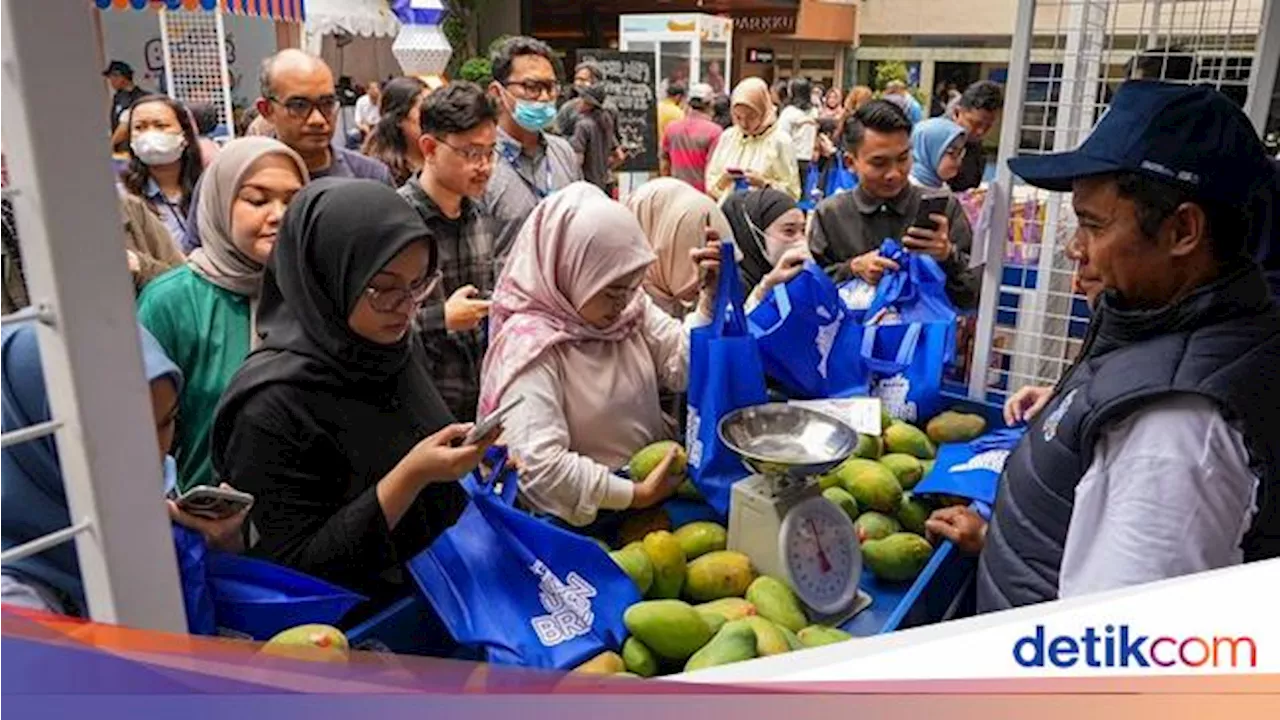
(1222, 342)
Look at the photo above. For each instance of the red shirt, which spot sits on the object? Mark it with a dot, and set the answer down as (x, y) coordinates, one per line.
(688, 145)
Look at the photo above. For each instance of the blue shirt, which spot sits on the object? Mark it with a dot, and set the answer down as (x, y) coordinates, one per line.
(347, 163)
(170, 213)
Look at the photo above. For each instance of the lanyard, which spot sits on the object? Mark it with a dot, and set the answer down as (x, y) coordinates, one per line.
(175, 214)
(511, 154)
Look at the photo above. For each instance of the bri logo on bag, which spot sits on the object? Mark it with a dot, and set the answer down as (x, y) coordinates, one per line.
(826, 339)
(694, 425)
(1052, 422)
(991, 461)
(893, 392)
(568, 606)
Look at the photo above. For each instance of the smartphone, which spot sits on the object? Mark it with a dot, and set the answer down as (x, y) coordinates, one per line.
(930, 205)
(735, 172)
(493, 420)
(214, 503)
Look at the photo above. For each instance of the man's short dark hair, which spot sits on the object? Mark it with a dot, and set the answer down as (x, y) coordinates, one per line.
(879, 115)
(504, 55)
(458, 107)
(596, 73)
(1155, 200)
(984, 95)
(676, 90)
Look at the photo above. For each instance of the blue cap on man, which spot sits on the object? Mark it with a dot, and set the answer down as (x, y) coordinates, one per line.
(1187, 135)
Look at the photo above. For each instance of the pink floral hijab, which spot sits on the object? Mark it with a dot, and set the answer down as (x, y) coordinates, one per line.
(575, 244)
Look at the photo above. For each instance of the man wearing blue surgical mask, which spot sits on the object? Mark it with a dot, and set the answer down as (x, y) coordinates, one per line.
(531, 163)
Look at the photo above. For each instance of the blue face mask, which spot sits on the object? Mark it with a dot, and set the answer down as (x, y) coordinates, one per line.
(534, 116)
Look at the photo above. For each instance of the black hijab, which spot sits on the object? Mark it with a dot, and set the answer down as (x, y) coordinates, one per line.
(763, 207)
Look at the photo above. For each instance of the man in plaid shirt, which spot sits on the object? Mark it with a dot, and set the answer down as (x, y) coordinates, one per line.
(459, 136)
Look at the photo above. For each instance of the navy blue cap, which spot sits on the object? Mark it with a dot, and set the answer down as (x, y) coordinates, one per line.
(119, 67)
(1191, 136)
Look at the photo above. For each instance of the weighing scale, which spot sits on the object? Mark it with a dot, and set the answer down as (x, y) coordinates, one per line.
(778, 517)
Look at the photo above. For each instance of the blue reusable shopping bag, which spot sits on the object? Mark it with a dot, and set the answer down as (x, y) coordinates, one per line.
(840, 179)
(971, 470)
(725, 374)
(197, 597)
(810, 343)
(910, 335)
(524, 590)
(810, 193)
(259, 598)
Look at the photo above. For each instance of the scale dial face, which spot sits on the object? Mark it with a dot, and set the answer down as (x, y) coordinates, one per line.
(820, 555)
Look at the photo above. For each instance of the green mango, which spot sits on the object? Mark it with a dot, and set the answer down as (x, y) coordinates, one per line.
(872, 525)
(668, 564)
(912, 514)
(955, 427)
(735, 642)
(885, 418)
(719, 574)
(909, 440)
(730, 608)
(774, 601)
(715, 621)
(688, 491)
(793, 640)
(770, 639)
(871, 484)
(906, 468)
(897, 558)
(647, 458)
(870, 447)
(672, 629)
(606, 663)
(638, 658)
(841, 498)
(699, 538)
(818, 635)
(636, 564)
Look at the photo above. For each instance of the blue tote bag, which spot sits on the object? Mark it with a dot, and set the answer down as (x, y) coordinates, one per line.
(525, 591)
(810, 343)
(197, 597)
(725, 374)
(259, 598)
(972, 470)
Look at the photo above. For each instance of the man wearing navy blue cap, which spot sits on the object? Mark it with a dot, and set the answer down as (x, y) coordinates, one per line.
(1158, 454)
(119, 75)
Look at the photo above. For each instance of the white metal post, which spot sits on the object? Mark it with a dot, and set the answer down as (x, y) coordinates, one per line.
(75, 264)
(1000, 195)
(1266, 67)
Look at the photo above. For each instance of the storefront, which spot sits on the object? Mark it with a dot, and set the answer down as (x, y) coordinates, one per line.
(810, 42)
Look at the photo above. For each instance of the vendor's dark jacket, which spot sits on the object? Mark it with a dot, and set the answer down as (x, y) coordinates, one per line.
(854, 223)
(1222, 342)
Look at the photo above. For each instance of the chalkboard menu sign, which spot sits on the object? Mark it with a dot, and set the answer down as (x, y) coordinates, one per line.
(628, 87)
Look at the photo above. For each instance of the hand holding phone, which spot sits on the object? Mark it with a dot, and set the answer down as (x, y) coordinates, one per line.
(214, 503)
(930, 205)
(927, 235)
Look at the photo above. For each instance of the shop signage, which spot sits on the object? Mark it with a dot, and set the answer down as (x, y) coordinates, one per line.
(774, 23)
(629, 86)
(759, 55)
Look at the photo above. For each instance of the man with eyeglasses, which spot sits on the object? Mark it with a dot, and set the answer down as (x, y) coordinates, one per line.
(459, 125)
(300, 101)
(531, 163)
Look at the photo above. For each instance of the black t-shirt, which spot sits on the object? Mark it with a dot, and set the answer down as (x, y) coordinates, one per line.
(121, 102)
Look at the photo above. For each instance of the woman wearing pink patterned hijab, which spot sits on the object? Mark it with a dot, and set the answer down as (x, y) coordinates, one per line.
(573, 334)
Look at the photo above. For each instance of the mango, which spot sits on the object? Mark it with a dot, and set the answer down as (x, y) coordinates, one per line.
(818, 635)
(735, 642)
(912, 514)
(909, 440)
(714, 621)
(730, 608)
(638, 658)
(769, 637)
(793, 640)
(322, 643)
(647, 458)
(774, 601)
(635, 527)
(672, 629)
(897, 558)
(668, 564)
(699, 538)
(955, 427)
(636, 564)
(885, 418)
(906, 468)
(872, 525)
(627, 674)
(606, 663)
(870, 447)
(719, 574)
(871, 484)
(688, 491)
(841, 498)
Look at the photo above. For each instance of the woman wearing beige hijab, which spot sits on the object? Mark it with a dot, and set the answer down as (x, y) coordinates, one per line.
(575, 337)
(753, 149)
(674, 217)
(202, 312)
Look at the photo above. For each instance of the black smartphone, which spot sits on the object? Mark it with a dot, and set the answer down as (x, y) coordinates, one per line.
(934, 204)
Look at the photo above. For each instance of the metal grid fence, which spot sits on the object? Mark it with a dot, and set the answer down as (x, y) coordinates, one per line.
(195, 60)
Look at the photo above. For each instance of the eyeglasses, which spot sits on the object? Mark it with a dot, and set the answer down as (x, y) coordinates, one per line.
(956, 151)
(536, 88)
(391, 299)
(300, 108)
(476, 155)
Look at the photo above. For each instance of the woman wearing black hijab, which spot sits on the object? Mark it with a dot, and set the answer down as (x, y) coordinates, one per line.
(325, 422)
(769, 230)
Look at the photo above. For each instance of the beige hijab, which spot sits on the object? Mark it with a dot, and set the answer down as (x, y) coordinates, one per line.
(218, 260)
(754, 93)
(674, 216)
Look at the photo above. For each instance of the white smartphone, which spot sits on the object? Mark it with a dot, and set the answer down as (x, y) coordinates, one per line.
(494, 419)
(214, 503)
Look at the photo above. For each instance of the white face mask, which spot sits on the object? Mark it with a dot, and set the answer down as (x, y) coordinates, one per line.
(158, 147)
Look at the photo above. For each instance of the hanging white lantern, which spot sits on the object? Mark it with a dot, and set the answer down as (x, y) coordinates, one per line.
(421, 47)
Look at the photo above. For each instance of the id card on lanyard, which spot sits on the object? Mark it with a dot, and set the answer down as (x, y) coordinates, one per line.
(511, 153)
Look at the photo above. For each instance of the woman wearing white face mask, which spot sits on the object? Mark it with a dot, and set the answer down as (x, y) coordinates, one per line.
(769, 231)
(164, 161)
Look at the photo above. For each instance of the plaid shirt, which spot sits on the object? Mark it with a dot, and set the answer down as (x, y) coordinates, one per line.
(465, 249)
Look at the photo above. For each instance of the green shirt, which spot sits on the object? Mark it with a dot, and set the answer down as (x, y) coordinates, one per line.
(205, 331)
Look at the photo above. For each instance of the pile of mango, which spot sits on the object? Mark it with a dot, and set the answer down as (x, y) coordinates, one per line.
(874, 489)
(704, 606)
